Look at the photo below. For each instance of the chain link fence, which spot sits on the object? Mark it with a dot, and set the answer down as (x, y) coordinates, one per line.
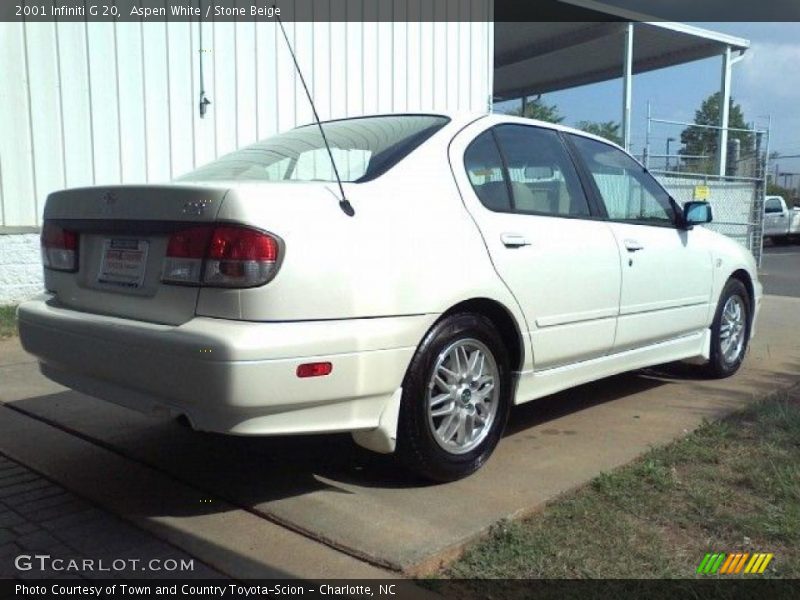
(690, 168)
(737, 204)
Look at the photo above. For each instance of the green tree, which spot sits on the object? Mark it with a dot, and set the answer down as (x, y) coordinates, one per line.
(702, 141)
(537, 109)
(605, 129)
(773, 189)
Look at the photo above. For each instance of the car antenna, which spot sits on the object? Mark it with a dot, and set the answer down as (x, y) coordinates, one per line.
(345, 205)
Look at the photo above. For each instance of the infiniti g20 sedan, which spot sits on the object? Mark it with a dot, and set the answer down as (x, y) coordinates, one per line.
(487, 261)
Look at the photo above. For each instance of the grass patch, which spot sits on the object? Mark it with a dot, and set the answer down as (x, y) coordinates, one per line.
(8, 321)
(731, 486)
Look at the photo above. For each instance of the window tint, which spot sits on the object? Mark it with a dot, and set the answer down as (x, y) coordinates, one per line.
(541, 174)
(485, 170)
(773, 205)
(362, 148)
(627, 190)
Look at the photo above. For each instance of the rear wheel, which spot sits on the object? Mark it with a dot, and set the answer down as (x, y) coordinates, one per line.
(455, 399)
(730, 331)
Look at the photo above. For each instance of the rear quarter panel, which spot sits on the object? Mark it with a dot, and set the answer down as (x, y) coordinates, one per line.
(411, 247)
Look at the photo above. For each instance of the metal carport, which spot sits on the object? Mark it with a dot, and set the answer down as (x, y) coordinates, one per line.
(533, 58)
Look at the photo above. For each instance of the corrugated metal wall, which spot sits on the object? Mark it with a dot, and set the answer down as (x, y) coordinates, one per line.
(103, 103)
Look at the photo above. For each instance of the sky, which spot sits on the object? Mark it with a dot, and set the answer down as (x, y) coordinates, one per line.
(766, 82)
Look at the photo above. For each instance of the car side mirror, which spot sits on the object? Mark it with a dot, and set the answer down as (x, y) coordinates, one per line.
(697, 213)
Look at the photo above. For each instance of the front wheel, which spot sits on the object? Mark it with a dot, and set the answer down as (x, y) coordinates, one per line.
(455, 399)
(730, 331)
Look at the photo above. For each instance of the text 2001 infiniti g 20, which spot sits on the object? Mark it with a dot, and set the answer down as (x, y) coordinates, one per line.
(491, 260)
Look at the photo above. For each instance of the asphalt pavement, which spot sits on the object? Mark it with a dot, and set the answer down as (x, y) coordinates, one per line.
(780, 270)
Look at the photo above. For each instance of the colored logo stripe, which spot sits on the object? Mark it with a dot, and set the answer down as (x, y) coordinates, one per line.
(731, 564)
(758, 564)
(711, 563)
(736, 564)
(727, 564)
(703, 564)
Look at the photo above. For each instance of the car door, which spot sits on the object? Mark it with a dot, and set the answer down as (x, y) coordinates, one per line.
(666, 270)
(561, 264)
(774, 217)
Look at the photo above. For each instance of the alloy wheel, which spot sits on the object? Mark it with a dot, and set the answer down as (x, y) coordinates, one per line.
(463, 396)
(733, 329)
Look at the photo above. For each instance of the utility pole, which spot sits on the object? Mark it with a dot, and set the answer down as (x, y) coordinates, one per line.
(646, 152)
(787, 177)
(724, 112)
(669, 139)
(627, 84)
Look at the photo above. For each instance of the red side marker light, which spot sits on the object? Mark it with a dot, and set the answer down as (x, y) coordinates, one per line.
(318, 369)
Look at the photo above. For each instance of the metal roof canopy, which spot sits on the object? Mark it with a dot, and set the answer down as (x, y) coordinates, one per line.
(536, 58)
(533, 58)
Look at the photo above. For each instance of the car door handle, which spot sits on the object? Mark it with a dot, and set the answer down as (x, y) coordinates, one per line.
(514, 240)
(633, 246)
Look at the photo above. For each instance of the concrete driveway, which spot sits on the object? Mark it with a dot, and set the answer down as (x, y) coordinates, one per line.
(344, 498)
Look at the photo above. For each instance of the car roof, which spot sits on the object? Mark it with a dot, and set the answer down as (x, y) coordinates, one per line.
(498, 118)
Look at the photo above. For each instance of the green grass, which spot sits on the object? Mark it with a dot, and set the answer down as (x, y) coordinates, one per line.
(8, 321)
(732, 485)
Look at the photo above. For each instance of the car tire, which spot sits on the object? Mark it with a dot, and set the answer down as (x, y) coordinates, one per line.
(730, 330)
(449, 426)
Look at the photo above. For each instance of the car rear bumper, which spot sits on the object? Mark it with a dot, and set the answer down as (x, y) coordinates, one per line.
(228, 376)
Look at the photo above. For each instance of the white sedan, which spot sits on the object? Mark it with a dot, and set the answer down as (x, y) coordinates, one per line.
(475, 262)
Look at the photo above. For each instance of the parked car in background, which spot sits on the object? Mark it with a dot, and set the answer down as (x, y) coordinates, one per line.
(781, 223)
(491, 260)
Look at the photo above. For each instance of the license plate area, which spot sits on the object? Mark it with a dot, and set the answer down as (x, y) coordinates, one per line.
(123, 262)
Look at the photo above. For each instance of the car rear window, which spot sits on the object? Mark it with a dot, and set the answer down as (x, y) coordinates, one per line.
(363, 149)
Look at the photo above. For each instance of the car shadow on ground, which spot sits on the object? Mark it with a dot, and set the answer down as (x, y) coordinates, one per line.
(549, 408)
(262, 474)
(251, 471)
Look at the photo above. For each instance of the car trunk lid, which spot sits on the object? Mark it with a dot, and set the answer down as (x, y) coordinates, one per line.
(123, 232)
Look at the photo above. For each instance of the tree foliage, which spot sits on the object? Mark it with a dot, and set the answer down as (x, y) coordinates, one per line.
(605, 129)
(539, 110)
(703, 141)
(788, 194)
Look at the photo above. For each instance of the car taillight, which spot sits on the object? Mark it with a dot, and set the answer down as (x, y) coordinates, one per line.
(185, 253)
(59, 248)
(240, 257)
(221, 255)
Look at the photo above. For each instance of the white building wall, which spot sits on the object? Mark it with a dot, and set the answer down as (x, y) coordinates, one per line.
(20, 267)
(106, 103)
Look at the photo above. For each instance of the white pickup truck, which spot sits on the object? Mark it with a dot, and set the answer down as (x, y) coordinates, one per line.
(781, 223)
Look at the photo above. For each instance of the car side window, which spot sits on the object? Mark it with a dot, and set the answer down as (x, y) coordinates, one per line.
(542, 177)
(773, 205)
(627, 190)
(484, 167)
